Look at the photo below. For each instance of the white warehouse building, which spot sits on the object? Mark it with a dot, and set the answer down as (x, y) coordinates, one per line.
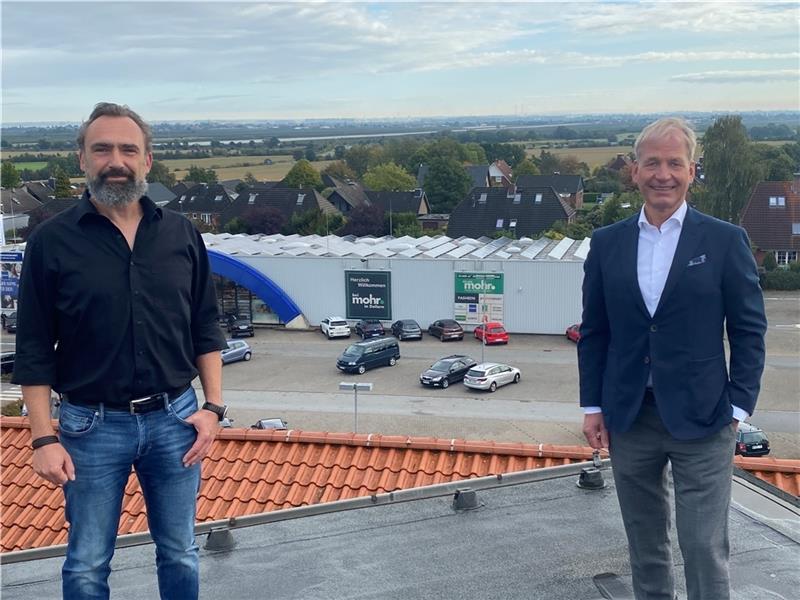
(532, 286)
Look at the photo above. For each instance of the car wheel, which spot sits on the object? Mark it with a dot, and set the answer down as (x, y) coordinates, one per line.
(247, 356)
(362, 369)
(493, 386)
(516, 378)
(328, 335)
(392, 361)
(445, 383)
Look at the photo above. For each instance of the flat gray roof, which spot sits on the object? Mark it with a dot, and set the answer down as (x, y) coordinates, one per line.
(544, 538)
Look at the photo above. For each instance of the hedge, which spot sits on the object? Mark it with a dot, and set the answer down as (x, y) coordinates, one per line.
(781, 279)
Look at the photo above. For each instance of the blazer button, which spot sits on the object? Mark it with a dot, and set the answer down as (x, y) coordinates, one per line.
(653, 328)
(647, 360)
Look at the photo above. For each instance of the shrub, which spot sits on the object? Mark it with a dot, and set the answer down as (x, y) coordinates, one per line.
(769, 262)
(794, 266)
(781, 280)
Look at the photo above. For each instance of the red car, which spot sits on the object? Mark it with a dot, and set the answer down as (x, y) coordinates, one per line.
(494, 332)
(574, 332)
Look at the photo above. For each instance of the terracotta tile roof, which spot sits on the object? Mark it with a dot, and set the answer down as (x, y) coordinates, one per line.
(251, 471)
(770, 227)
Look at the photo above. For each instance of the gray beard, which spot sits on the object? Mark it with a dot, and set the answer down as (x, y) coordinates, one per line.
(116, 194)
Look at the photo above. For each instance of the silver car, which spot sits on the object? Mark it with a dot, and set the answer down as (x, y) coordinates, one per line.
(236, 350)
(490, 376)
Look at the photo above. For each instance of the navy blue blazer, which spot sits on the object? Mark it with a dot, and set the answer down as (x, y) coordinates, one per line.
(712, 287)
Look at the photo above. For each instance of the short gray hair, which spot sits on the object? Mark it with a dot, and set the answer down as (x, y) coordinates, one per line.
(109, 109)
(662, 127)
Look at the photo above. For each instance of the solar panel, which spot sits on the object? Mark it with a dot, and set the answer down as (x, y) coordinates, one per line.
(434, 243)
(439, 250)
(461, 251)
(583, 249)
(492, 246)
(534, 249)
(561, 249)
(411, 252)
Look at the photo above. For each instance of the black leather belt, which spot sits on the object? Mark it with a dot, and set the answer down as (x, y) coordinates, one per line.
(137, 406)
(649, 397)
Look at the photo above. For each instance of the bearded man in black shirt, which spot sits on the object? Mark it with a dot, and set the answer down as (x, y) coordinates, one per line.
(117, 313)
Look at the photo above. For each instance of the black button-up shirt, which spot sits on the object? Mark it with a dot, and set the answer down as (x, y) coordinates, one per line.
(107, 324)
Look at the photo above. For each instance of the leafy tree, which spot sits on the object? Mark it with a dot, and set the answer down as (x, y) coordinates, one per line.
(403, 224)
(201, 175)
(240, 187)
(513, 154)
(548, 163)
(570, 165)
(776, 163)
(729, 167)
(159, 173)
(263, 219)
(446, 184)
(250, 179)
(357, 158)
(340, 170)
(400, 150)
(363, 220)
(9, 178)
(63, 186)
(310, 153)
(273, 142)
(389, 177)
(473, 153)
(303, 175)
(769, 263)
(613, 211)
(525, 167)
(236, 225)
(314, 221)
(503, 233)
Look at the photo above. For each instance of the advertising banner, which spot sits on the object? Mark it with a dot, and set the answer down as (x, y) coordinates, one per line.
(478, 298)
(10, 267)
(368, 295)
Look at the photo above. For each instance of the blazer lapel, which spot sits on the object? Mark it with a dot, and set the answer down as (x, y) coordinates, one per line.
(629, 264)
(687, 244)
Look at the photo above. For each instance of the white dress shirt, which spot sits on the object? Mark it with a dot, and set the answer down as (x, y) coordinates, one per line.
(657, 247)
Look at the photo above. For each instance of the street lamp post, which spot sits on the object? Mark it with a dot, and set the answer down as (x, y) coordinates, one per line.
(364, 387)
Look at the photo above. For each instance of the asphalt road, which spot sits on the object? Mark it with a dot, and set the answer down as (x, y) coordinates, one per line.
(293, 375)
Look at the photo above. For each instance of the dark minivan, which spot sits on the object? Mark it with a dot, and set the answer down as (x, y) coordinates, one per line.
(361, 356)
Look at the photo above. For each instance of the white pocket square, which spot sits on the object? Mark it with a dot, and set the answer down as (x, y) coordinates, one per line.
(697, 260)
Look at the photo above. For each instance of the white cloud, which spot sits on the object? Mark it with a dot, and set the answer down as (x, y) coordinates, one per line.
(739, 76)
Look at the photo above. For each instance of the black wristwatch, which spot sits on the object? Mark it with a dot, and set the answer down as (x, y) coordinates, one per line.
(218, 409)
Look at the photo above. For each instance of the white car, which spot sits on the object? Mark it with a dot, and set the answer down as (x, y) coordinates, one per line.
(334, 327)
(490, 376)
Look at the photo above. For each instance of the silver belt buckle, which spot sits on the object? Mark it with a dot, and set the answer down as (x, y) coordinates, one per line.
(141, 400)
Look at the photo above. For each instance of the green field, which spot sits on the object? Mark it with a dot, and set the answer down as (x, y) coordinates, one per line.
(236, 167)
(33, 166)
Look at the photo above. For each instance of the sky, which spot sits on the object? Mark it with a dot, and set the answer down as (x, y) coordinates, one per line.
(301, 60)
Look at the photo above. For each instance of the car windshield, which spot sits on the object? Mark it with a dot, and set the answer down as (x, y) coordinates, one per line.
(476, 373)
(753, 438)
(354, 350)
(441, 365)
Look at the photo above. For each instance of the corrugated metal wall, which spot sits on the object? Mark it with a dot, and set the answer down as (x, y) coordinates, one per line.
(540, 296)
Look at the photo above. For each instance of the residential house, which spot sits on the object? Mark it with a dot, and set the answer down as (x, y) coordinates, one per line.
(345, 194)
(525, 212)
(414, 201)
(500, 175)
(287, 200)
(39, 190)
(181, 187)
(433, 222)
(203, 201)
(772, 219)
(568, 187)
(159, 193)
(16, 204)
(620, 162)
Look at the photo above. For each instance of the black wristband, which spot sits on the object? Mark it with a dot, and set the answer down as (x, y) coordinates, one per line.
(45, 440)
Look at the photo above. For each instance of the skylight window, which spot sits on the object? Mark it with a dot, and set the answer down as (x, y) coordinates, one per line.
(192, 198)
(517, 198)
(300, 198)
(218, 198)
(182, 198)
(251, 199)
(499, 224)
(538, 199)
(512, 223)
(482, 199)
(795, 228)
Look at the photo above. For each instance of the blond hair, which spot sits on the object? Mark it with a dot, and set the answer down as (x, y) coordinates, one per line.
(660, 128)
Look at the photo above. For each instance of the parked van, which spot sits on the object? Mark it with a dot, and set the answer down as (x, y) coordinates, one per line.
(368, 354)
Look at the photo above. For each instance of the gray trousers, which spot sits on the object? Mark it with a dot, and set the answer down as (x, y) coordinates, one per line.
(702, 471)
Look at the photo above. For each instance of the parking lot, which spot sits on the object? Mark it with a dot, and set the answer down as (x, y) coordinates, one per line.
(293, 375)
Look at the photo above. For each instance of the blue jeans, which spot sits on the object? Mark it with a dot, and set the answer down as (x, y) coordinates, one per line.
(104, 445)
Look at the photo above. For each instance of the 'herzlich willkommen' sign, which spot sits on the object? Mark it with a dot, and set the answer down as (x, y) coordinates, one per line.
(368, 294)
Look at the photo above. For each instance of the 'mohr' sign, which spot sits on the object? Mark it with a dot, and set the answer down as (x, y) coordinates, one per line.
(368, 294)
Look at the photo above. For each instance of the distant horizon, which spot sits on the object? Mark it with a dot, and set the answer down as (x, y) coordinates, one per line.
(294, 61)
(412, 119)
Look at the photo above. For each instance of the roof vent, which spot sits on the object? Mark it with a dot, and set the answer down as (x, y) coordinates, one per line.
(220, 540)
(465, 500)
(591, 479)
